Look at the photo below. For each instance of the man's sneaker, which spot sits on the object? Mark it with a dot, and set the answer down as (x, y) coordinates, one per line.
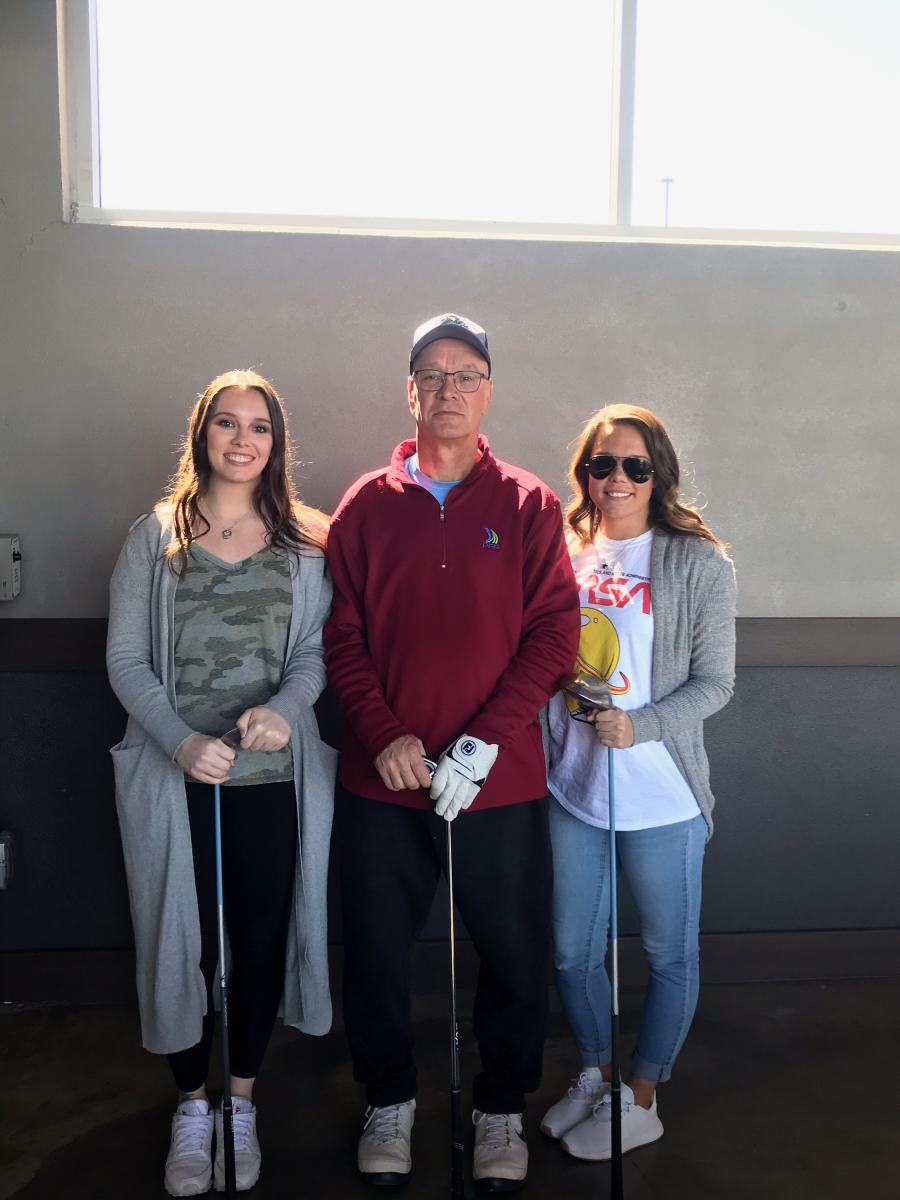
(577, 1105)
(189, 1164)
(593, 1138)
(247, 1155)
(383, 1155)
(500, 1160)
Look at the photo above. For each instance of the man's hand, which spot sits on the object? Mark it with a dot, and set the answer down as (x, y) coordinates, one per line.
(263, 729)
(402, 764)
(613, 727)
(460, 773)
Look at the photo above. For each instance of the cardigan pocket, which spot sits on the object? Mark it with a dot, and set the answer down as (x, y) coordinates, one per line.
(126, 761)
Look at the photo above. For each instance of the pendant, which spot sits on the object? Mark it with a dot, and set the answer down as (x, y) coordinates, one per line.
(226, 534)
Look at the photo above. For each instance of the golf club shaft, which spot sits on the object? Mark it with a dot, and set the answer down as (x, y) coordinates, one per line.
(615, 1178)
(457, 1185)
(227, 1107)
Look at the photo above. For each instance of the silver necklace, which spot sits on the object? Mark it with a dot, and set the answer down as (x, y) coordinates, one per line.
(229, 530)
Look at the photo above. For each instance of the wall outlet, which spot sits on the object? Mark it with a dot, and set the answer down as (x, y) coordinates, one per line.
(10, 566)
(6, 861)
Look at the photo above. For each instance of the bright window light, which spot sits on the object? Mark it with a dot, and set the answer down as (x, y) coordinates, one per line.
(769, 114)
(489, 110)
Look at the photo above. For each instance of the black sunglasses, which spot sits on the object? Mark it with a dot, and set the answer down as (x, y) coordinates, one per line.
(637, 468)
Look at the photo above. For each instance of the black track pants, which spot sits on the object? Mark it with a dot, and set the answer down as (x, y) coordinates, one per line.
(259, 852)
(391, 860)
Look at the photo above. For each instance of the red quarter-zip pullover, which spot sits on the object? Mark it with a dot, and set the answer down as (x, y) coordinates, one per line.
(449, 619)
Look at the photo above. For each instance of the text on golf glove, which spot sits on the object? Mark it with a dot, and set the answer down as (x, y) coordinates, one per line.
(460, 773)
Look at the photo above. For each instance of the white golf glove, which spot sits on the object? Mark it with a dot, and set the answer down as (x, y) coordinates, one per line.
(461, 770)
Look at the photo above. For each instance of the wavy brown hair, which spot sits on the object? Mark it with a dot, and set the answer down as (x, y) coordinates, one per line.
(668, 509)
(291, 524)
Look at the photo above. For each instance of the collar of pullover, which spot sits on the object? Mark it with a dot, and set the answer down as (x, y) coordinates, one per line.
(399, 476)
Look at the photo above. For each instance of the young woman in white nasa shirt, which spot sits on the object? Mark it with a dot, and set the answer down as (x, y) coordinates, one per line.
(635, 545)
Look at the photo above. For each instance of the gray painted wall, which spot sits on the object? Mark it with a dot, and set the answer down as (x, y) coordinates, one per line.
(775, 368)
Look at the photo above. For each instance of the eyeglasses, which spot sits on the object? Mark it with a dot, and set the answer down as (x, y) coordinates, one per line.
(433, 381)
(637, 468)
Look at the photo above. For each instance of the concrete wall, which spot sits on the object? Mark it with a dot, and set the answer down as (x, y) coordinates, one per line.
(776, 370)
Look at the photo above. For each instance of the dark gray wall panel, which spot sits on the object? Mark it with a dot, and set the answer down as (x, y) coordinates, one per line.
(57, 797)
(806, 768)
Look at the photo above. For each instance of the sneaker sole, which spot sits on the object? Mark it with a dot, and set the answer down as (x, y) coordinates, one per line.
(607, 1157)
(386, 1179)
(548, 1132)
(493, 1185)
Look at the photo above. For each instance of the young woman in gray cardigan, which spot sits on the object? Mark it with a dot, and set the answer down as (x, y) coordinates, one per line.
(217, 604)
(657, 608)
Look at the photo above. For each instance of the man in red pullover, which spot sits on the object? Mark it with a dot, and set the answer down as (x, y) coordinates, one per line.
(455, 615)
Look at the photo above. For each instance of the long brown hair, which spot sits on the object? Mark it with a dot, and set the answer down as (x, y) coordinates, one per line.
(668, 509)
(291, 524)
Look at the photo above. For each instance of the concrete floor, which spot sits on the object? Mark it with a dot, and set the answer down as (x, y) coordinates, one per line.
(783, 1092)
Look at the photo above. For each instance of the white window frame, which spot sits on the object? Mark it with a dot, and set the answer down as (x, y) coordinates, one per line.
(76, 41)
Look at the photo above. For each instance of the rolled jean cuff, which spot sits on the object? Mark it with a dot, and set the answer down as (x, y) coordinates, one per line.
(648, 1070)
(595, 1058)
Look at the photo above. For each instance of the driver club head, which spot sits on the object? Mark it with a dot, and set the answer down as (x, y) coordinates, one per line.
(232, 739)
(590, 691)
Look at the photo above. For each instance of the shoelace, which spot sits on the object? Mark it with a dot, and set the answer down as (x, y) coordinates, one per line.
(497, 1127)
(582, 1088)
(242, 1123)
(191, 1134)
(385, 1123)
(605, 1102)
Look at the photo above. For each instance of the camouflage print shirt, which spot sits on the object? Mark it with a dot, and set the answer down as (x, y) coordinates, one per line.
(231, 630)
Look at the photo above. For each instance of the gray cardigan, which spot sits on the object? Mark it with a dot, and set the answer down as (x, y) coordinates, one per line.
(151, 804)
(693, 653)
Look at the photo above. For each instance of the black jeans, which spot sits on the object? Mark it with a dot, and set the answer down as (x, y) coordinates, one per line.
(391, 860)
(259, 854)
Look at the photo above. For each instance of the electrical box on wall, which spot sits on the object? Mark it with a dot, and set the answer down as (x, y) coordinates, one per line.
(6, 860)
(10, 566)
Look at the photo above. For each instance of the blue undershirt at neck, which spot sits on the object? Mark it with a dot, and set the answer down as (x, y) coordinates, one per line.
(437, 487)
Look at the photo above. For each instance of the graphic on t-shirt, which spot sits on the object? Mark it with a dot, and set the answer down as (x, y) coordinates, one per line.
(598, 653)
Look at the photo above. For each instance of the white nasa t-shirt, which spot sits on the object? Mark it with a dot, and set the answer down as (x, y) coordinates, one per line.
(616, 644)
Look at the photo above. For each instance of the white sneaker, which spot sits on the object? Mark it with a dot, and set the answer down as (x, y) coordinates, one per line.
(247, 1154)
(592, 1139)
(500, 1160)
(384, 1155)
(189, 1163)
(577, 1105)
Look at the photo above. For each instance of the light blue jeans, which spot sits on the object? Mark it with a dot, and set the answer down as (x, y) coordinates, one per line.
(663, 867)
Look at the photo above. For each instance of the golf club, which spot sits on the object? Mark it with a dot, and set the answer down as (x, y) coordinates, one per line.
(232, 739)
(457, 1184)
(591, 692)
(457, 1179)
(615, 1165)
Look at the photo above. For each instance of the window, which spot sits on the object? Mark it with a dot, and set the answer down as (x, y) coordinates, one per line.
(353, 110)
(690, 119)
(775, 114)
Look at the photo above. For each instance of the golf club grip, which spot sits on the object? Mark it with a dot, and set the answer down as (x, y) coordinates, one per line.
(228, 1148)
